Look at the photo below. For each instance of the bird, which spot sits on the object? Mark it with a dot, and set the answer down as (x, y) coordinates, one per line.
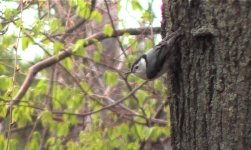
(156, 61)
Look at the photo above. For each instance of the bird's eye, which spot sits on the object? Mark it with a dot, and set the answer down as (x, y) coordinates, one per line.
(136, 67)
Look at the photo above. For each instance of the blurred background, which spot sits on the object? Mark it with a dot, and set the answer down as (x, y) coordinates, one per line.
(67, 104)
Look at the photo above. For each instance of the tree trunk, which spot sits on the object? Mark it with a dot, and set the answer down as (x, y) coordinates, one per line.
(211, 85)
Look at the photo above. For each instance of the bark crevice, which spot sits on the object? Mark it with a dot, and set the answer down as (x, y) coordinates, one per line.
(210, 102)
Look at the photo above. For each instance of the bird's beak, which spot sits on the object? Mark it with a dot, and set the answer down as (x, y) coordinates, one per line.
(127, 73)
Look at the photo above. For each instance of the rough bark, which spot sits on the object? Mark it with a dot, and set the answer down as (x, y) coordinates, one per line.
(211, 84)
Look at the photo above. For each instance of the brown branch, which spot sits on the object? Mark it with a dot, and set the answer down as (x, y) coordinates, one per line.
(160, 108)
(33, 70)
(15, 71)
(81, 22)
(121, 107)
(76, 80)
(113, 104)
(131, 31)
(150, 120)
(93, 4)
(114, 28)
(31, 132)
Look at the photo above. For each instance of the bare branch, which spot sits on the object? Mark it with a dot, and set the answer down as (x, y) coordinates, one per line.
(114, 28)
(113, 104)
(81, 22)
(15, 71)
(33, 70)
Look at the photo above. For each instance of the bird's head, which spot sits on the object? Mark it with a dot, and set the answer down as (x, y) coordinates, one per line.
(139, 67)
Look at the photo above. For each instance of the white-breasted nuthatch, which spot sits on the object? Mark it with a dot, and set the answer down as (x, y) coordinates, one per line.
(156, 61)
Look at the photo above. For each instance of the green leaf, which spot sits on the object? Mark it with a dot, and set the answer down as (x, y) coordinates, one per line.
(19, 24)
(1, 27)
(141, 95)
(133, 146)
(3, 110)
(78, 47)
(58, 145)
(2, 69)
(134, 43)
(148, 44)
(35, 141)
(2, 142)
(55, 24)
(146, 133)
(147, 16)
(130, 59)
(41, 87)
(25, 42)
(62, 129)
(86, 87)
(110, 78)
(121, 130)
(83, 9)
(136, 5)
(38, 27)
(108, 30)
(140, 130)
(72, 3)
(13, 144)
(7, 41)
(46, 117)
(71, 119)
(22, 115)
(99, 46)
(84, 13)
(158, 85)
(75, 102)
(119, 6)
(7, 13)
(168, 131)
(96, 56)
(68, 63)
(51, 141)
(71, 145)
(62, 94)
(97, 16)
(167, 110)
(155, 132)
(97, 53)
(5, 82)
(57, 46)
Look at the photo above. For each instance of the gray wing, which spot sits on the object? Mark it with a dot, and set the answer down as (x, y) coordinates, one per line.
(160, 53)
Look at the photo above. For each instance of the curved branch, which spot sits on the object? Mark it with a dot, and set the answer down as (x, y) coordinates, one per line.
(33, 70)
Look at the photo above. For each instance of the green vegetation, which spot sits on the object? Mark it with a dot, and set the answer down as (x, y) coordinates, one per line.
(52, 113)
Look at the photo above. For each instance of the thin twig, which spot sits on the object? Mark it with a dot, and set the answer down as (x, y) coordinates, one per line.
(76, 80)
(114, 28)
(117, 102)
(33, 70)
(160, 108)
(151, 119)
(121, 106)
(31, 132)
(80, 23)
(15, 47)
(11, 67)
(106, 107)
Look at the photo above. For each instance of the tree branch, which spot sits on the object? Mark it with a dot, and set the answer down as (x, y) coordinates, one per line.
(114, 28)
(81, 22)
(113, 104)
(33, 70)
